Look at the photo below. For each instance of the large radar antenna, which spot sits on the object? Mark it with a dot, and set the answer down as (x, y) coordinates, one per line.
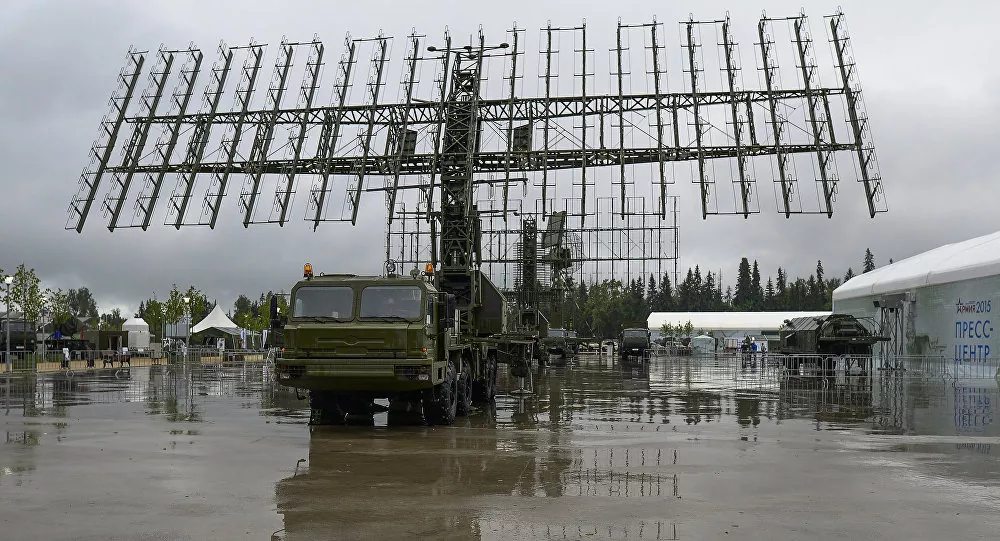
(466, 155)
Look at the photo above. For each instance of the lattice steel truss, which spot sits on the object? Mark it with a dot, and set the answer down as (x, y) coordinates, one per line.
(464, 163)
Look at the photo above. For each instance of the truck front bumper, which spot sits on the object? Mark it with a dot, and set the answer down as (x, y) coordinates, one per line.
(371, 375)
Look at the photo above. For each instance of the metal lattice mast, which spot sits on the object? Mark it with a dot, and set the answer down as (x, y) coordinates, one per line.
(460, 225)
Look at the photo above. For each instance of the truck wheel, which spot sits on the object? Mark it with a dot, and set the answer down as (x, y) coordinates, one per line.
(441, 402)
(465, 390)
(486, 388)
(326, 408)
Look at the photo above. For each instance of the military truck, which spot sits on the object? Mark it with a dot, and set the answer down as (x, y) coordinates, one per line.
(827, 337)
(557, 346)
(351, 339)
(634, 343)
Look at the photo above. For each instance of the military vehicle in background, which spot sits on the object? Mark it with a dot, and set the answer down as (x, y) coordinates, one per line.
(827, 337)
(560, 345)
(23, 338)
(352, 339)
(634, 344)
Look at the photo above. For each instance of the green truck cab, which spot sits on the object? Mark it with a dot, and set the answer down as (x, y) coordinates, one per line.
(351, 339)
(556, 346)
(634, 343)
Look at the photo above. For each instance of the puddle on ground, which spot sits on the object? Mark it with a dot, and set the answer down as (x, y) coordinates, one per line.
(596, 450)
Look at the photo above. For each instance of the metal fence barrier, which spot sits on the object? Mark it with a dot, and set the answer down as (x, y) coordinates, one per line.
(56, 361)
(816, 365)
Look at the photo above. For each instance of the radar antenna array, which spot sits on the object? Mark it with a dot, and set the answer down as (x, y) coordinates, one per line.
(463, 164)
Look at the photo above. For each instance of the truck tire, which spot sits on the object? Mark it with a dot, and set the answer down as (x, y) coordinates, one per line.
(441, 403)
(485, 390)
(464, 406)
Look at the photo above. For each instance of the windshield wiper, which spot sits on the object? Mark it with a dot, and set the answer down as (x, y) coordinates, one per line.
(387, 318)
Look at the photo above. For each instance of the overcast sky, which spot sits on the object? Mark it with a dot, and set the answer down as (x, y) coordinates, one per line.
(926, 67)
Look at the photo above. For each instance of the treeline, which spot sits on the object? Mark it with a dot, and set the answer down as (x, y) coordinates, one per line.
(255, 314)
(246, 313)
(158, 314)
(599, 310)
(603, 309)
(73, 310)
(39, 306)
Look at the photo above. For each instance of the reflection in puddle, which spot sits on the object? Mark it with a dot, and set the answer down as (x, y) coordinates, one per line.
(616, 450)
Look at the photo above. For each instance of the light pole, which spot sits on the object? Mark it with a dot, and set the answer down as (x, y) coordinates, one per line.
(187, 319)
(8, 280)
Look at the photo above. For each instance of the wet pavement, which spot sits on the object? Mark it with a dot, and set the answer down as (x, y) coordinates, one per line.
(688, 449)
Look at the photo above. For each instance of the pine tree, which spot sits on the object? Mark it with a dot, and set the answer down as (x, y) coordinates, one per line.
(849, 274)
(769, 295)
(744, 292)
(781, 291)
(697, 300)
(819, 295)
(684, 293)
(666, 294)
(755, 287)
(708, 293)
(651, 294)
(869, 263)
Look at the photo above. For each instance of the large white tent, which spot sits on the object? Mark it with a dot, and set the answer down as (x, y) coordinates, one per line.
(941, 300)
(216, 319)
(727, 322)
(966, 260)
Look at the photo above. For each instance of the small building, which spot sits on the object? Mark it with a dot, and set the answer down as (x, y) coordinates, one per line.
(138, 333)
(939, 302)
(728, 326)
(106, 340)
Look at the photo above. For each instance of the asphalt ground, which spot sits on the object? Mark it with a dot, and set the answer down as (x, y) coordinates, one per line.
(686, 449)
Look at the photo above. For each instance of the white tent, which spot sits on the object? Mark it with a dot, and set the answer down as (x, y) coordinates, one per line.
(703, 344)
(217, 319)
(939, 302)
(727, 321)
(135, 324)
(966, 260)
(138, 333)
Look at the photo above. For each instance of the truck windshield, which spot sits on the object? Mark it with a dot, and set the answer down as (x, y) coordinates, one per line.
(391, 302)
(635, 333)
(557, 333)
(323, 301)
